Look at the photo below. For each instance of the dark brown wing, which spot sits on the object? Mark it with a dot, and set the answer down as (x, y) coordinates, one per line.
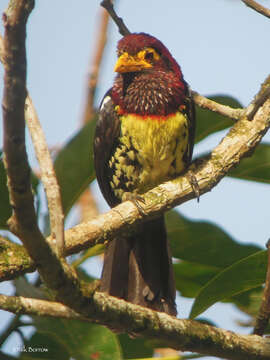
(106, 139)
(190, 111)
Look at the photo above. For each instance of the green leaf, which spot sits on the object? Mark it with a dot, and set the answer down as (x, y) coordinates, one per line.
(201, 242)
(191, 277)
(93, 251)
(74, 166)
(5, 208)
(246, 274)
(43, 346)
(256, 167)
(208, 122)
(82, 340)
(249, 301)
(135, 348)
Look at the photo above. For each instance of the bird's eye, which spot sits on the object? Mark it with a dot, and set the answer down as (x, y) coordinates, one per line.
(149, 56)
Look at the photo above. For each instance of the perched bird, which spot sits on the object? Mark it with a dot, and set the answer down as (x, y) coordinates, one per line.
(144, 136)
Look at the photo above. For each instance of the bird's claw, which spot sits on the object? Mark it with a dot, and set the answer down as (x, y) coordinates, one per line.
(135, 199)
(194, 184)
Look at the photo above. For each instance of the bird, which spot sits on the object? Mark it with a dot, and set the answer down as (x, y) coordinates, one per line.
(144, 136)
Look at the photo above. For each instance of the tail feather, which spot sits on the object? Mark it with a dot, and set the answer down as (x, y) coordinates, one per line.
(139, 268)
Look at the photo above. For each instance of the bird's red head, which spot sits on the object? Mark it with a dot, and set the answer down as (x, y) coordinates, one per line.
(135, 44)
(150, 81)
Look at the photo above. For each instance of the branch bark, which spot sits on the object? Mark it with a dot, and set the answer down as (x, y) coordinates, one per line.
(224, 110)
(108, 5)
(117, 314)
(240, 142)
(58, 276)
(94, 67)
(257, 7)
(87, 203)
(184, 335)
(48, 177)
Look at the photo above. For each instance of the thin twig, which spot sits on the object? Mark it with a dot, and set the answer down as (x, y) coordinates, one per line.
(94, 67)
(184, 335)
(87, 203)
(224, 110)
(123, 30)
(48, 176)
(262, 319)
(13, 324)
(257, 7)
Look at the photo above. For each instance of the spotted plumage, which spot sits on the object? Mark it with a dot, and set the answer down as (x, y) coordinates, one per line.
(144, 136)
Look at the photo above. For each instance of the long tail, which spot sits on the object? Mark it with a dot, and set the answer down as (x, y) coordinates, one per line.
(139, 269)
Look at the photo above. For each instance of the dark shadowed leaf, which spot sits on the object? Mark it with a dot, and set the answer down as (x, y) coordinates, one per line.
(202, 242)
(209, 122)
(246, 274)
(191, 277)
(43, 346)
(74, 166)
(81, 340)
(136, 348)
(249, 301)
(256, 167)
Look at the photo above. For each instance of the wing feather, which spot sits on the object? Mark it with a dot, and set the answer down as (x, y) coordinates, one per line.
(106, 140)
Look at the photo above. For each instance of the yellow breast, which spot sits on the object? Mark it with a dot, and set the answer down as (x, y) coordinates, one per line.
(159, 143)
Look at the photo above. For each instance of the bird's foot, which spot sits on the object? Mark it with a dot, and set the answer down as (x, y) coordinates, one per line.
(194, 184)
(135, 199)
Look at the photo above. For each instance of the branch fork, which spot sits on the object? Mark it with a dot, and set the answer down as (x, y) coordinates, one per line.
(79, 300)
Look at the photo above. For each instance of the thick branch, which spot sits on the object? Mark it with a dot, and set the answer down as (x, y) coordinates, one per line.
(240, 142)
(185, 335)
(55, 272)
(257, 7)
(48, 177)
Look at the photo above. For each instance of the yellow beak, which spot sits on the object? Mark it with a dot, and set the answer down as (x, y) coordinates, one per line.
(128, 63)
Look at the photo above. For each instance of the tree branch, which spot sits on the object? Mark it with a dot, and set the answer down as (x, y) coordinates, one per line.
(48, 177)
(94, 68)
(221, 109)
(109, 311)
(87, 203)
(47, 171)
(259, 99)
(240, 142)
(123, 30)
(184, 335)
(257, 7)
(56, 273)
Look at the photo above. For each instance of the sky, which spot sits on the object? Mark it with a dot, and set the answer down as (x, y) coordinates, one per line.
(222, 47)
